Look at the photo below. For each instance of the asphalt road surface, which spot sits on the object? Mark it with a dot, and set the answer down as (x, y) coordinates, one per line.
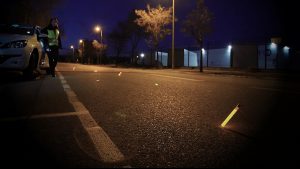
(91, 116)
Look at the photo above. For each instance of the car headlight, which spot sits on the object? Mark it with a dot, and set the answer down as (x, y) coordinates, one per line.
(15, 44)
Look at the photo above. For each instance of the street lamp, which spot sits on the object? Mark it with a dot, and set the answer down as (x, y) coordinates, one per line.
(173, 37)
(81, 43)
(143, 56)
(72, 47)
(98, 29)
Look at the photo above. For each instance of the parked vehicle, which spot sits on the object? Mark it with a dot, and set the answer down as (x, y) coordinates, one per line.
(22, 49)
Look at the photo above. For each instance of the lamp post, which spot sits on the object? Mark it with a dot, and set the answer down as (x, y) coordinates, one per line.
(98, 29)
(173, 37)
(72, 47)
(81, 43)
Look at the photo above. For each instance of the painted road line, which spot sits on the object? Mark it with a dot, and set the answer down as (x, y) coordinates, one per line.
(42, 116)
(180, 78)
(108, 152)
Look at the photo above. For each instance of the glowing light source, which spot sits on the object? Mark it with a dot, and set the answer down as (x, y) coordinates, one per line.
(230, 116)
(120, 74)
(142, 55)
(72, 47)
(97, 28)
(273, 45)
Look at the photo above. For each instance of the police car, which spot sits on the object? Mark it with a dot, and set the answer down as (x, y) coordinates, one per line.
(21, 48)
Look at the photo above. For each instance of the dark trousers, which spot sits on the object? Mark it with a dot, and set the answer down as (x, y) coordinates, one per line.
(53, 57)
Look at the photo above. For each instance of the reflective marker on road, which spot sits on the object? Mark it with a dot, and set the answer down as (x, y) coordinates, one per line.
(156, 84)
(230, 116)
(120, 74)
(96, 71)
(74, 68)
(97, 80)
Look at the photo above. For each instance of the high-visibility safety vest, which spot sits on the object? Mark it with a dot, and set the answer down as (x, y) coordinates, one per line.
(53, 37)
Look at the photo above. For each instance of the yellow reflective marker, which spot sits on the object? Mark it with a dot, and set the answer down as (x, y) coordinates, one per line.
(120, 74)
(230, 116)
(156, 84)
(74, 68)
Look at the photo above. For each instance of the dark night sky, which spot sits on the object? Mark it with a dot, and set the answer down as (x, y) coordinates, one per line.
(235, 20)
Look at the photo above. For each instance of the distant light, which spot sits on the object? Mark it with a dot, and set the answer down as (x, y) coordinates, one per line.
(156, 84)
(203, 50)
(286, 48)
(72, 47)
(28, 32)
(137, 56)
(229, 48)
(80, 41)
(97, 28)
(273, 45)
(142, 55)
(120, 74)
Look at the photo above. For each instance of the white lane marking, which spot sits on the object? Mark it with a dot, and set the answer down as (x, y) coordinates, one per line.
(275, 90)
(42, 116)
(181, 78)
(108, 152)
(63, 81)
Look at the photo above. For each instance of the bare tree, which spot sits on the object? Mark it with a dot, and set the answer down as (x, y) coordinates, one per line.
(155, 21)
(118, 38)
(198, 24)
(101, 48)
(135, 33)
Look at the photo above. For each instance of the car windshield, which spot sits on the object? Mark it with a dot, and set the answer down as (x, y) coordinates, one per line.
(16, 29)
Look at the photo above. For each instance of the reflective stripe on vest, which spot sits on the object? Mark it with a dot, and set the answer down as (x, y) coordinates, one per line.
(53, 37)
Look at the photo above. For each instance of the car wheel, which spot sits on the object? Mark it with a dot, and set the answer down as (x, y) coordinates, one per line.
(29, 71)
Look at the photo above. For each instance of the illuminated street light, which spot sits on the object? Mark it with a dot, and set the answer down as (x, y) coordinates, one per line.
(173, 37)
(72, 47)
(98, 29)
(81, 42)
(142, 56)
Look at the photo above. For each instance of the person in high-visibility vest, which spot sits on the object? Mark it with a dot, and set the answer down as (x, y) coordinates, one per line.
(53, 43)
